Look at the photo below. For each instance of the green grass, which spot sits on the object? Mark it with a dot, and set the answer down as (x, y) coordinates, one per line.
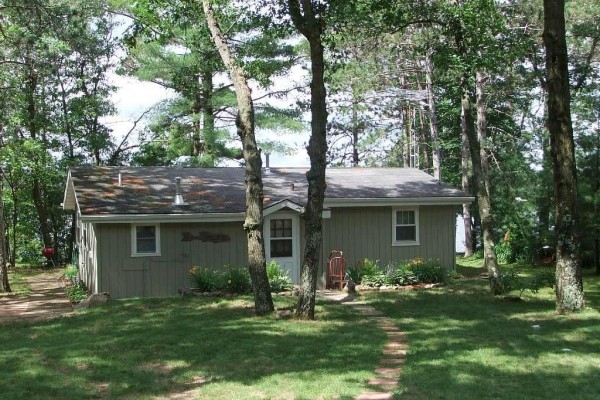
(192, 348)
(466, 344)
(18, 282)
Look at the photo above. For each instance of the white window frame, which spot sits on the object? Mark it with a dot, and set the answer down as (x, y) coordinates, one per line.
(415, 242)
(134, 252)
(282, 238)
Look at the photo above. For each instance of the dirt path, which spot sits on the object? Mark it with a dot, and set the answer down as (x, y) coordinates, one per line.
(48, 300)
(394, 352)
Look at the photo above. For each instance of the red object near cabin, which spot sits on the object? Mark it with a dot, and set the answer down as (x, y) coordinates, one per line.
(48, 252)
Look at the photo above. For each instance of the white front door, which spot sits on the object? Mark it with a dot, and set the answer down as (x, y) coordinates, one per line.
(282, 245)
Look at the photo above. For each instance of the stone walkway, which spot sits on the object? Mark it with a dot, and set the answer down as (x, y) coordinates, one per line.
(48, 300)
(394, 353)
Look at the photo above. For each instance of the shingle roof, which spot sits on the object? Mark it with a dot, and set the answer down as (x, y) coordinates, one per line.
(150, 190)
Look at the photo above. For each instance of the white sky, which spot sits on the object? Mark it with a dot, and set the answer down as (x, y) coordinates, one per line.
(133, 97)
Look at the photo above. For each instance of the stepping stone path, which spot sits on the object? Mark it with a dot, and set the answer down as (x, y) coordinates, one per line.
(394, 351)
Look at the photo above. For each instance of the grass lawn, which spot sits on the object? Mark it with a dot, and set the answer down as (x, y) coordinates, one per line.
(18, 282)
(189, 348)
(466, 344)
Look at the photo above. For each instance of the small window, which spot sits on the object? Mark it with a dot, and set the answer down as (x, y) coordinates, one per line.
(145, 240)
(405, 227)
(281, 238)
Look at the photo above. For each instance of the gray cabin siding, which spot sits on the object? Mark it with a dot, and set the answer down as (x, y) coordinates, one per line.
(88, 251)
(366, 232)
(125, 276)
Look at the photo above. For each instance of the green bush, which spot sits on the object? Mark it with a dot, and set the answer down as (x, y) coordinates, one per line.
(510, 281)
(376, 279)
(279, 281)
(363, 269)
(236, 280)
(429, 271)
(76, 292)
(75, 289)
(229, 279)
(504, 253)
(402, 276)
(478, 254)
(205, 279)
(71, 272)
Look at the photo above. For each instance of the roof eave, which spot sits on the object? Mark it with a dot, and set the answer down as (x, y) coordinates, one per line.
(69, 198)
(381, 202)
(158, 218)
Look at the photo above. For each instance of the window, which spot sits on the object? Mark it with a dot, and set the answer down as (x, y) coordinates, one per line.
(145, 240)
(281, 238)
(405, 225)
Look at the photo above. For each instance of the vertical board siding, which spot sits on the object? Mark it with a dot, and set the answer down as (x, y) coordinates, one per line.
(367, 233)
(124, 276)
(358, 232)
(88, 266)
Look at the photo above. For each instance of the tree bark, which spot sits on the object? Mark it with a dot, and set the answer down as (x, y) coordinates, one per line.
(483, 199)
(355, 129)
(4, 284)
(569, 283)
(253, 224)
(437, 154)
(311, 26)
(483, 196)
(466, 187)
(208, 118)
(406, 140)
(480, 80)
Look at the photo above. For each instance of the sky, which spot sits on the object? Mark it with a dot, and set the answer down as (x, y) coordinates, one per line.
(133, 97)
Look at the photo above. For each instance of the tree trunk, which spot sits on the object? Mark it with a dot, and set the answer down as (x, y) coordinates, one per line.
(437, 153)
(597, 196)
(545, 200)
(423, 140)
(311, 26)
(569, 283)
(4, 284)
(208, 118)
(253, 224)
(466, 187)
(482, 127)
(355, 129)
(406, 142)
(483, 198)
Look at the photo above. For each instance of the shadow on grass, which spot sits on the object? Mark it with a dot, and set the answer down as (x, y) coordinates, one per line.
(465, 344)
(161, 347)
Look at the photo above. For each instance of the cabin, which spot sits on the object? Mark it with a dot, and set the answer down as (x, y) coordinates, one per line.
(140, 229)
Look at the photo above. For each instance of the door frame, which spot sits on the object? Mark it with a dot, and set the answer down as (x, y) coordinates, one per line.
(295, 240)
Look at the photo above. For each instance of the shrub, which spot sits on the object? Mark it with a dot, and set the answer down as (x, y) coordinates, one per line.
(76, 292)
(510, 281)
(363, 269)
(279, 281)
(504, 253)
(71, 272)
(376, 279)
(236, 280)
(205, 279)
(75, 289)
(428, 271)
(402, 276)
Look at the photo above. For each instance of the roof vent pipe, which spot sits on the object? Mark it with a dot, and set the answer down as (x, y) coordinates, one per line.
(267, 167)
(178, 200)
(120, 180)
